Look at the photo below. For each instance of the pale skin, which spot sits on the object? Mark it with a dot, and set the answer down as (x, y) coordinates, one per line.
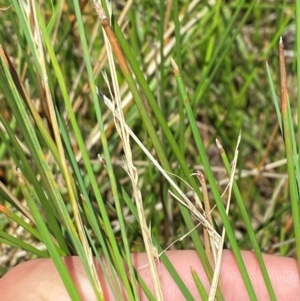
(37, 280)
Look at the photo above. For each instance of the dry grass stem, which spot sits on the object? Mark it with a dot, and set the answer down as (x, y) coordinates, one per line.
(217, 270)
(209, 247)
(185, 200)
(128, 161)
(48, 107)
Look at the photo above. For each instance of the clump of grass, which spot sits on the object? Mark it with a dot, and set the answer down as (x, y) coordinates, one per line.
(103, 163)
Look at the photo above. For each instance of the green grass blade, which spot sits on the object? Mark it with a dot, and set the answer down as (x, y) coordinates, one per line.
(288, 140)
(249, 228)
(214, 188)
(51, 247)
